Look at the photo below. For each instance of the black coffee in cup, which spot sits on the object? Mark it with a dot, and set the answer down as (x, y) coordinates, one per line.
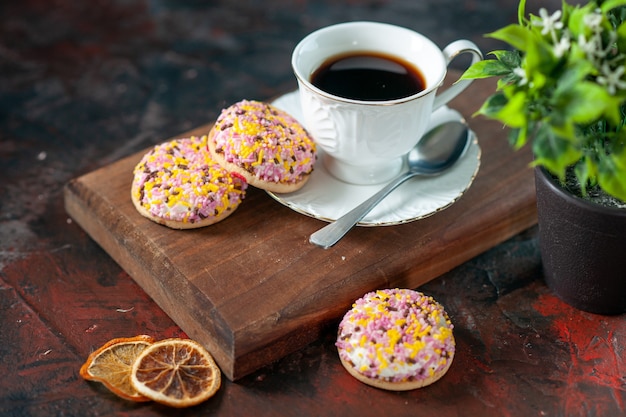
(368, 76)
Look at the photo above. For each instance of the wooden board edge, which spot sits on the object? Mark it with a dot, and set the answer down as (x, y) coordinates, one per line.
(77, 197)
(300, 336)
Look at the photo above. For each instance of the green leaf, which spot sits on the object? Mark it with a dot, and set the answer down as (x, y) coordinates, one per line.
(513, 114)
(511, 59)
(612, 169)
(612, 4)
(576, 100)
(554, 152)
(621, 37)
(612, 109)
(521, 12)
(617, 16)
(584, 102)
(492, 106)
(516, 36)
(618, 151)
(586, 171)
(576, 22)
(577, 55)
(518, 137)
(611, 178)
(538, 81)
(562, 127)
(568, 9)
(485, 69)
(507, 80)
(540, 58)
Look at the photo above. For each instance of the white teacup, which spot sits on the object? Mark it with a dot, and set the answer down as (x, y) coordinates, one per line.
(364, 141)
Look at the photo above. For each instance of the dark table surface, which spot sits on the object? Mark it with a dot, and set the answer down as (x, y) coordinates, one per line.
(83, 84)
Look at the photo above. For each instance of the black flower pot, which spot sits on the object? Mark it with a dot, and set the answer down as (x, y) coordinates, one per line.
(583, 248)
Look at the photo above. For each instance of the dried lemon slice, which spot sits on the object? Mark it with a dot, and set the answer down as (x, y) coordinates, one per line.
(176, 372)
(111, 365)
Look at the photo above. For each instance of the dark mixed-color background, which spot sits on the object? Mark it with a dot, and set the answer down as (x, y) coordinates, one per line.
(84, 83)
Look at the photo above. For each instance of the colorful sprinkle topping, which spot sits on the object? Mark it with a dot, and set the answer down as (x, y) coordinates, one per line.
(396, 335)
(179, 181)
(265, 141)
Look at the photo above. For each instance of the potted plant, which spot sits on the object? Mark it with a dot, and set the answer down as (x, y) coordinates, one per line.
(562, 89)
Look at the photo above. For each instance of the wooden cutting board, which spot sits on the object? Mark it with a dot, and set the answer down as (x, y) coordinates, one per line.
(253, 289)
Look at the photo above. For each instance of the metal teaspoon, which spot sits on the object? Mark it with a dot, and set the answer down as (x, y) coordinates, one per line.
(438, 150)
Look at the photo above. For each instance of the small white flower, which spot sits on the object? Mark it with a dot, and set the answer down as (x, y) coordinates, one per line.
(562, 46)
(588, 46)
(593, 48)
(521, 73)
(593, 21)
(549, 23)
(612, 78)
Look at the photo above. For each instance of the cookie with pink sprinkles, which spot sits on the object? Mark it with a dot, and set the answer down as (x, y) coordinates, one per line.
(264, 144)
(179, 185)
(396, 339)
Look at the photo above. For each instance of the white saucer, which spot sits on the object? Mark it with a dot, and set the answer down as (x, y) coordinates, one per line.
(326, 198)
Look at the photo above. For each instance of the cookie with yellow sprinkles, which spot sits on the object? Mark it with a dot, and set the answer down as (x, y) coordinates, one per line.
(264, 144)
(396, 339)
(179, 185)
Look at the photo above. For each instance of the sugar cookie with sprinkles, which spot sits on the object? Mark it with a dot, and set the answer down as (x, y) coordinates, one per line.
(179, 185)
(264, 144)
(396, 339)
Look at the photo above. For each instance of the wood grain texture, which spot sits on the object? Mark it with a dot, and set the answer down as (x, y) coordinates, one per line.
(252, 289)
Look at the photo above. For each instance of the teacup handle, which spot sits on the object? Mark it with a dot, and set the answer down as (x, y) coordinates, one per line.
(450, 52)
